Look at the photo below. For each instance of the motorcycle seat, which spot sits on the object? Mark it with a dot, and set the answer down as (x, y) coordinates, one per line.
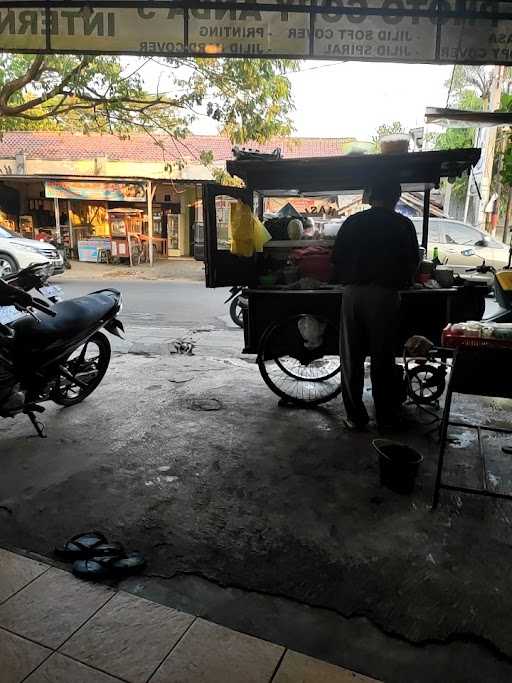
(74, 317)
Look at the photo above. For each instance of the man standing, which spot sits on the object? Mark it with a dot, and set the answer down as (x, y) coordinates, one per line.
(375, 255)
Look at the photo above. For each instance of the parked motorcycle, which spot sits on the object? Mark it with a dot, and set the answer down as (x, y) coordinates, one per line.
(53, 353)
(502, 286)
(235, 307)
(36, 277)
(63, 251)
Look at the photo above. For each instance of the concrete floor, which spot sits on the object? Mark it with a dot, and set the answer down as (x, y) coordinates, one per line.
(271, 520)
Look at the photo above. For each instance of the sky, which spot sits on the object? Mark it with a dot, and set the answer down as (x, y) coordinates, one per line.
(351, 99)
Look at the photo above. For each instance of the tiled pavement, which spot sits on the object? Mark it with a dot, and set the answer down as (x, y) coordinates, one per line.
(57, 629)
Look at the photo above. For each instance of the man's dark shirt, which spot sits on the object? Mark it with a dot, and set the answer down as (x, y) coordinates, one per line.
(378, 246)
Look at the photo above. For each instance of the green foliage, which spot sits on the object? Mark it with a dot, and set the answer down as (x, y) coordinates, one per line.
(463, 97)
(506, 168)
(222, 177)
(477, 79)
(455, 138)
(250, 99)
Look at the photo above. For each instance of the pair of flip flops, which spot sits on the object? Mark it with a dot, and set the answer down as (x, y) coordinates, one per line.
(95, 558)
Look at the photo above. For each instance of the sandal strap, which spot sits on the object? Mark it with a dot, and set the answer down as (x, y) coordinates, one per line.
(86, 547)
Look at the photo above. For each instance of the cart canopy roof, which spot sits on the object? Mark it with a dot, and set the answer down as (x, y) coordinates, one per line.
(416, 171)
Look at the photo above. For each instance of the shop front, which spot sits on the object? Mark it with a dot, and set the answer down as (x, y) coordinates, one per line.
(127, 220)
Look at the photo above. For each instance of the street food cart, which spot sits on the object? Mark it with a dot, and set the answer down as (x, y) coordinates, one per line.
(294, 327)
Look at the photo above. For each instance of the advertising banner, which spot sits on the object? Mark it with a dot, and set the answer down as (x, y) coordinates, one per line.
(96, 190)
(413, 31)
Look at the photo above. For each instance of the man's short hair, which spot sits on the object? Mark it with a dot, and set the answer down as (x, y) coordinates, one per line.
(387, 191)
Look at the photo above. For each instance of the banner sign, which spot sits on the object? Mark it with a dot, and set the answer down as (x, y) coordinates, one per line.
(414, 31)
(102, 191)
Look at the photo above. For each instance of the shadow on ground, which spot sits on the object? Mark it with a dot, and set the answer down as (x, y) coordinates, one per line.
(271, 519)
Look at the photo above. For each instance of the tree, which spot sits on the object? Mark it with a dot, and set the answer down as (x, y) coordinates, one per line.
(250, 99)
(470, 88)
(455, 138)
(477, 79)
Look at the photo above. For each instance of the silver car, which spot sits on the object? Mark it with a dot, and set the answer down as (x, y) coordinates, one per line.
(17, 252)
(461, 245)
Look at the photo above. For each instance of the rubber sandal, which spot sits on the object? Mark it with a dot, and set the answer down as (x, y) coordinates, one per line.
(131, 563)
(112, 549)
(116, 567)
(81, 546)
(92, 569)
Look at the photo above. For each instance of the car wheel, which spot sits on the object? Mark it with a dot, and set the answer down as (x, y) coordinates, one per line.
(8, 265)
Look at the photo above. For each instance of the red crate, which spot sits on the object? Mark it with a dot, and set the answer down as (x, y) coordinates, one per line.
(454, 341)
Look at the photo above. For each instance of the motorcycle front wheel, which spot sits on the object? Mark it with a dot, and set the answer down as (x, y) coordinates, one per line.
(236, 311)
(87, 364)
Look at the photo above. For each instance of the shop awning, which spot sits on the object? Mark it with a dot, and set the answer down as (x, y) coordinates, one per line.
(416, 171)
(461, 118)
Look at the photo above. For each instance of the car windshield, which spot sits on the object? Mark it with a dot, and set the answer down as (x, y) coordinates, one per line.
(5, 233)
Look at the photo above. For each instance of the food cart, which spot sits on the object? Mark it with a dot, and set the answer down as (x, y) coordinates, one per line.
(125, 224)
(293, 328)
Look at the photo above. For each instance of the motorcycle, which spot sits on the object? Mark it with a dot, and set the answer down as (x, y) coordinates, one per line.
(235, 307)
(502, 286)
(60, 356)
(63, 251)
(35, 277)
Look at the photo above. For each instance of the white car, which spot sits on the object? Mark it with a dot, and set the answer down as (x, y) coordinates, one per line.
(462, 246)
(16, 253)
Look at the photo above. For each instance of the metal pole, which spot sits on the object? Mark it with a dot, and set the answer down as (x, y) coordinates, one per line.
(57, 219)
(470, 178)
(426, 213)
(149, 191)
(468, 196)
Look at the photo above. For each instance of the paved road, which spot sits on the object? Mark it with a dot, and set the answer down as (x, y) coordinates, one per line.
(162, 303)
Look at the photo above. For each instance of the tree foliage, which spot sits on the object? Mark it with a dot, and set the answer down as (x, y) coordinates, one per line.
(455, 138)
(250, 99)
(506, 167)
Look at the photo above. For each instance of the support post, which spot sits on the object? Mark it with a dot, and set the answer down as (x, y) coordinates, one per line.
(426, 213)
(149, 190)
(470, 178)
(57, 219)
(71, 236)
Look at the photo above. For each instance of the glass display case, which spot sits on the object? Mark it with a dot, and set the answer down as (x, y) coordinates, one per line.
(173, 234)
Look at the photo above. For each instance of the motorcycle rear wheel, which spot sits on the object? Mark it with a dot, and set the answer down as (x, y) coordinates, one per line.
(88, 363)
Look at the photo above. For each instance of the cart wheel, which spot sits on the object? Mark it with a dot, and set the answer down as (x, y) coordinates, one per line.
(426, 383)
(298, 374)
